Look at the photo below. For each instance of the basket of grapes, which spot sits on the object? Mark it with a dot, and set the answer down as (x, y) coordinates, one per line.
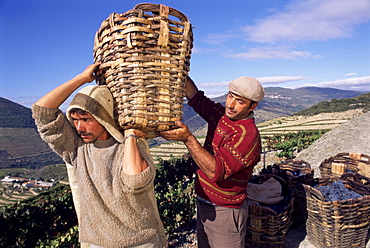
(338, 211)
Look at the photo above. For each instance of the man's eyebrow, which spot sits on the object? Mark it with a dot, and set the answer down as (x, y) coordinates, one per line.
(236, 97)
(81, 118)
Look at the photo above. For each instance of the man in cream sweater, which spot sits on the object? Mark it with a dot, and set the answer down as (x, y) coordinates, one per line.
(114, 172)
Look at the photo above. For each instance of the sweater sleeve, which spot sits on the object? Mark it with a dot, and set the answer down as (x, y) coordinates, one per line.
(206, 108)
(140, 181)
(56, 130)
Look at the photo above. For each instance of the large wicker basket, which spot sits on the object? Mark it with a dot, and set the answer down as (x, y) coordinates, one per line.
(295, 172)
(345, 162)
(145, 56)
(339, 224)
(266, 227)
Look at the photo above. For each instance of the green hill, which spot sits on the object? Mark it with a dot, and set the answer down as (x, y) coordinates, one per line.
(338, 105)
(14, 115)
(20, 144)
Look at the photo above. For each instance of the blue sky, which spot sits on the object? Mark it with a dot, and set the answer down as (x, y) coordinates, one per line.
(285, 43)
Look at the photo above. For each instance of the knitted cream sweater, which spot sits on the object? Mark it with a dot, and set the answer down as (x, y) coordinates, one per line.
(116, 209)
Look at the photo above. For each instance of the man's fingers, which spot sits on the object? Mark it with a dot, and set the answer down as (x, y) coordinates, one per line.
(179, 124)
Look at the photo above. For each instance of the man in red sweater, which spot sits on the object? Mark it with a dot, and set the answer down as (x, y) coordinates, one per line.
(231, 150)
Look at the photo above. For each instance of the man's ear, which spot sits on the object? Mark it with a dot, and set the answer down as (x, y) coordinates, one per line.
(253, 106)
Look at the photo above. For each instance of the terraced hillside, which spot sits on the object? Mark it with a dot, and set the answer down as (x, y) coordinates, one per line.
(322, 121)
(9, 195)
(169, 150)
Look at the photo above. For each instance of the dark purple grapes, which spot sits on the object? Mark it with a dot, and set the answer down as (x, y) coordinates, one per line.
(337, 192)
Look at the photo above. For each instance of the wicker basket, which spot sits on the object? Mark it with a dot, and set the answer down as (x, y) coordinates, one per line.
(145, 56)
(293, 171)
(265, 226)
(296, 173)
(339, 223)
(345, 162)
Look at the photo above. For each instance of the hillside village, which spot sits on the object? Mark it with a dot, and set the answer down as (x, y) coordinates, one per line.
(14, 189)
(17, 182)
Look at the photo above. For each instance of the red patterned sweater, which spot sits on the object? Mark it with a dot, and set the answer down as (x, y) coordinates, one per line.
(236, 146)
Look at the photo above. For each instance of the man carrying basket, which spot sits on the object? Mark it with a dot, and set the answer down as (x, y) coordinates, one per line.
(115, 200)
(232, 148)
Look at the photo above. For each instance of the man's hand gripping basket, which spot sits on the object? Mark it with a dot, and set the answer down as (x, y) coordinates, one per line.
(145, 56)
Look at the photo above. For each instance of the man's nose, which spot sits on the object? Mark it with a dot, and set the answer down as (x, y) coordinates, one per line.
(231, 104)
(80, 126)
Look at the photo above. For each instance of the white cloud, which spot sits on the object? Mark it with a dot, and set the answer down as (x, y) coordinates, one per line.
(217, 39)
(28, 101)
(263, 80)
(24, 101)
(215, 84)
(299, 21)
(272, 53)
(220, 88)
(350, 74)
(311, 20)
(211, 50)
(280, 79)
(196, 50)
(356, 83)
(214, 89)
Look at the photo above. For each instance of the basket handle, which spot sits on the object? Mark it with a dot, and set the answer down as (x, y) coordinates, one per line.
(156, 7)
(356, 177)
(359, 182)
(313, 193)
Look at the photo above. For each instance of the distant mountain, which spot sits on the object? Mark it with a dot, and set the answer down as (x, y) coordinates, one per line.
(15, 115)
(281, 102)
(278, 102)
(338, 105)
(20, 144)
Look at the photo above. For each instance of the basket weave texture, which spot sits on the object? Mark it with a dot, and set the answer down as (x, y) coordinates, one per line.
(339, 224)
(295, 172)
(145, 59)
(345, 163)
(265, 227)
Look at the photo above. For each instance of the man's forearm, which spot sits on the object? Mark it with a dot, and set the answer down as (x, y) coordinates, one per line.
(57, 96)
(133, 162)
(201, 156)
(205, 160)
(191, 89)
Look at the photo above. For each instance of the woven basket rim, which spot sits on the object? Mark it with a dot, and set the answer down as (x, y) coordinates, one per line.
(320, 197)
(344, 162)
(151, 6)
